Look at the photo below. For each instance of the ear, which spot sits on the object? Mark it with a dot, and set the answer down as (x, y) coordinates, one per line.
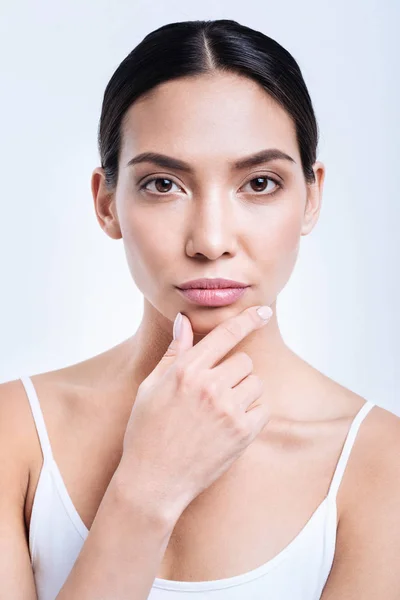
(104, 205)
(314, 199)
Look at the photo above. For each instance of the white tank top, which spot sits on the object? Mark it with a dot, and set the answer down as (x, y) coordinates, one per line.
(299, 571)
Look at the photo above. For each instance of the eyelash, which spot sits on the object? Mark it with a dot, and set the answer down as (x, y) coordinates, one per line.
(276, 181)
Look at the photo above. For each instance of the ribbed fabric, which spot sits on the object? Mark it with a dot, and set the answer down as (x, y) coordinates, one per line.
(298, 572)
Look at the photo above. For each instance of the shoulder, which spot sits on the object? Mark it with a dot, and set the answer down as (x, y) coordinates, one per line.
(21, 456)
(18, 435)
(369, 494)
(379, 444)
(367, 548)
(382, 420)
(15, 437)
(375, 464)
(14, 412)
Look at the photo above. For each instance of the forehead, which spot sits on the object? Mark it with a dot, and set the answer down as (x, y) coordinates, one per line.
(213, 115)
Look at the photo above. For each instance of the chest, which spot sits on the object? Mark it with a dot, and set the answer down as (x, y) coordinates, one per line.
(253, 512)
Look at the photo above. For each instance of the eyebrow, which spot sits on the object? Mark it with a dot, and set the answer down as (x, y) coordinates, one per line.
(168, 162)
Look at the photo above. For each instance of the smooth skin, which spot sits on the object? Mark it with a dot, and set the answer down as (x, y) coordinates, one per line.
(219, 416)
(214, 221)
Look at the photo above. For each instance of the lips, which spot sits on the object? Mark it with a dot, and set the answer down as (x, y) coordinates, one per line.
(213, 296)
(210, 284)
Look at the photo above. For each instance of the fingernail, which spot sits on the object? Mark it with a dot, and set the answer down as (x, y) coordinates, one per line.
(265, 312)
(177, 326)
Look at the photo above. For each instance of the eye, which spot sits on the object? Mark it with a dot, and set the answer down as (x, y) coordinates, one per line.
(161, 184)
(259, 184)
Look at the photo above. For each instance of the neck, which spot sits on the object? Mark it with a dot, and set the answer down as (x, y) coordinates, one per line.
(272, 360)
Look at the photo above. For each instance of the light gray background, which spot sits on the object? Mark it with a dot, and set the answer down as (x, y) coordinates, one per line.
(66, 292)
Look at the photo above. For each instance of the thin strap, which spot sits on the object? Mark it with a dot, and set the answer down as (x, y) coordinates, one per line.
(38, 418)
(348, 444)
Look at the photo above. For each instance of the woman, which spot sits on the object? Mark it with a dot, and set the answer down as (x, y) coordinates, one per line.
(218, 464)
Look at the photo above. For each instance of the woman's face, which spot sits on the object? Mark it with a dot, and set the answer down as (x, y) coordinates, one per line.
(211, 219)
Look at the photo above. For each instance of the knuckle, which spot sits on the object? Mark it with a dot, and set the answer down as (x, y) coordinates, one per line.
(253, 378)
(246, 359)
(261, 382)
(242, 429)
(170, 352)
(256, 381)
(228, 413)
(209, 390)
(183, 373)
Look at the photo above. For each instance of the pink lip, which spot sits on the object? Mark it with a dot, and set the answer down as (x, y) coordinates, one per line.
(207, 283)
(213, 297)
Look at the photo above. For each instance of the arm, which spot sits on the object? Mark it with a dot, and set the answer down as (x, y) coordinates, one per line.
(16, 576)
(125, 545)
(367, 557)
(126, 542)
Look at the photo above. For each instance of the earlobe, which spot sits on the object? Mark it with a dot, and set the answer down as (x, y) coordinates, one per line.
(104, 205)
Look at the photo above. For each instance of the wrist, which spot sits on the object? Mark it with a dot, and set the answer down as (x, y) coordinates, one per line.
(136, 494)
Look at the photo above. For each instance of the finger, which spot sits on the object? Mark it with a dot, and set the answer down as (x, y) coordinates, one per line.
(232, 370)
(257, 417)
(182, 343)
(246, 392)
(225, 336)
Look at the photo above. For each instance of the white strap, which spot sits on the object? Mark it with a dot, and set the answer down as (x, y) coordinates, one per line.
(348, 444)
(38, 417)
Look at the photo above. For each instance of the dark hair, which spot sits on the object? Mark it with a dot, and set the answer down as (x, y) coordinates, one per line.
(194, 47)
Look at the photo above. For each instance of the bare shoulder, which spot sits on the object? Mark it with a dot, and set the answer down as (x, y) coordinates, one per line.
(15, 444)
(377, 456)
(372, 474)
(367, 549)
(374, 463)
(15, 567)
(381, 424)
(18, 435)
(14, 418)
(69, 395)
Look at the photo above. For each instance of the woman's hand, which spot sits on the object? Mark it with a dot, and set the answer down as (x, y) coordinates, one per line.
(189, 421)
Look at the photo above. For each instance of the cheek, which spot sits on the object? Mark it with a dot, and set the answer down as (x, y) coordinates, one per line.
(147, 242)
(277, 247)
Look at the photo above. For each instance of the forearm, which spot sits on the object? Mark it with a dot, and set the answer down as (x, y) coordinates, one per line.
(121, 555)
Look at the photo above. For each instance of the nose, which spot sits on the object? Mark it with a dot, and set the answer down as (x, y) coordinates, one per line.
(212, 229)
